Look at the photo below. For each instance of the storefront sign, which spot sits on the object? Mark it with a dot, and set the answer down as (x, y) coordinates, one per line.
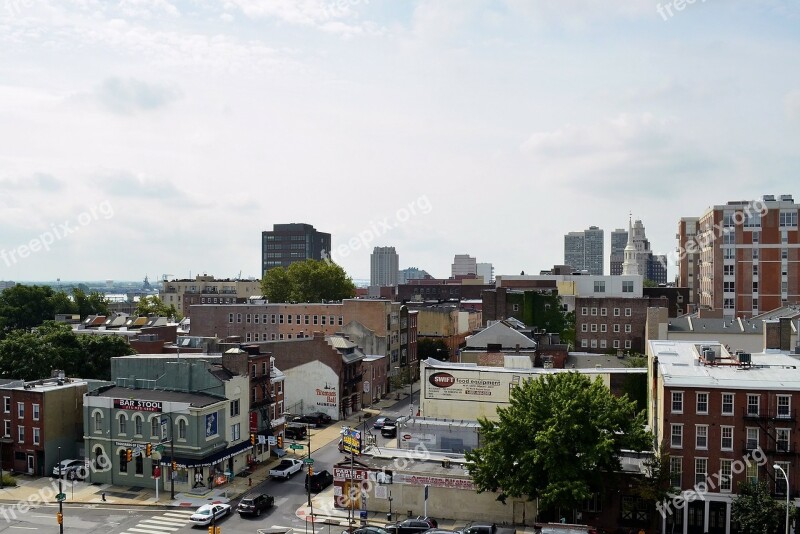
(137, 405)
(483, 386)
(436, 482)
(341, 473)
(351, 440)
(417, 437)
(253, 421)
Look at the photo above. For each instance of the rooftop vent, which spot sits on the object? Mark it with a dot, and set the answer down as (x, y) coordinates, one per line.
(769, 198)
(787, 198)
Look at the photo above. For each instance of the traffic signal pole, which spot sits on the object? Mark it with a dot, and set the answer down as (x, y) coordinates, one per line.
(60, 501)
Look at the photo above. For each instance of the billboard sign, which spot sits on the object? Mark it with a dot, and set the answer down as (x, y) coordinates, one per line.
(137, 405)
(458, 385)
(351, 440)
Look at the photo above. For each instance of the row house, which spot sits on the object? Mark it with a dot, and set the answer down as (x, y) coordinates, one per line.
(724, 419)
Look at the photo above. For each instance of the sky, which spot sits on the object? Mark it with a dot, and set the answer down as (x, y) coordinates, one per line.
(160, 137)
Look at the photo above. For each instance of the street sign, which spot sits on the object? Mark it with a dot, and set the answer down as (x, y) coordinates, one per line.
(159, 448)
(295, 446)
(272, 440)
(61, 497)
(308, 461)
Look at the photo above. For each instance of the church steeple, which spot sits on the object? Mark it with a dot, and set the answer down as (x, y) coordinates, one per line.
(630, 265)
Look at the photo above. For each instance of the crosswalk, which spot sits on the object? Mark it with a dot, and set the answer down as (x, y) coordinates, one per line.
(165, 523)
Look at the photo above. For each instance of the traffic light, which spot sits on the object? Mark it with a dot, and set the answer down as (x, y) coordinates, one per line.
(214, 530)
(128, 455)
(174, 465)
(310, 471)
(148, 449)
(252, 439)
(59, 518)
(280, 442)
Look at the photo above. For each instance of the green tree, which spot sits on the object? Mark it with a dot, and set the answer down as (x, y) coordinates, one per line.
(649, 283)
(428, 347)
(26, 307)
(94, 303)
(655, 485)
(559, 441)
(757, 512)
(152, 305)
(307, 281)
(568, 333)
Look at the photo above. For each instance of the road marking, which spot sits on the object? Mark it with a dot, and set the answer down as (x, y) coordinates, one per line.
(147, 524)
(26, 528)
(172, 519)
(185, 512)
(180, 515)
(166, 522)
(145, 531)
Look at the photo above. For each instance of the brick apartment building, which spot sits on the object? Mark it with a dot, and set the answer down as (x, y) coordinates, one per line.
(724, 419)
(382, 325)
(607, 324)
(748, 257)
(38, 418)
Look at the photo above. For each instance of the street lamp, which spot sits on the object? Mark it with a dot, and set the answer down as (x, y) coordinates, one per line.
(785, 477)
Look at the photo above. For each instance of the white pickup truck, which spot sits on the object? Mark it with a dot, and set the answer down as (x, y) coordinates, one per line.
(286, 469)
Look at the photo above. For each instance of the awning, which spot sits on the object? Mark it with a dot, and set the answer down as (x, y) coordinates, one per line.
(371, 411)
(217, 457)
(280, 453)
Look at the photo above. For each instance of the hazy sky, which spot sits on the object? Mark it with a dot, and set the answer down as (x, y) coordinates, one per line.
(161, 137)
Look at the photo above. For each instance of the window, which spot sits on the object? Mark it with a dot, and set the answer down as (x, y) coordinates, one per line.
(675, 471)
(700, 470)
(255, 318)
(123, 461)
(676, 433)
(181, 429)
(752, 219)
(584, 327)
(729, 287)
(726, 444)
(627, 286)
(272, 318)
(599, 286)
(702, 403)
(234, 408)
(316, 319)
(594, 327)
(341, 320)
(725, 474)
(756, 236)
(755, 287)
(784, 253)
(305, 319)
(122, 423)
(247, 318)
(297, 319)
(154, 427)
(322, 319)
(752, 438)
(603, 327)
(627, 343)
(21, 410)
(7, 428)
(616, 328)
(98, 422)
(584, 343)
(727, 404)
(616, 312)
(752, 404)
(603, 312)
(782, 439)
(627, 312)
(727, 270)
(677, 402)
(780, 480)
(36, 436)
(140, 464)
(755, 269)
(751, 472)
(230, 317)
(584, 310)
(728, 237)
(701, 436)
(788, 218)
(603, 343)
(7, 404)
(238, 317)
(137, 420)
(594, 343)
(594, 312)
(755, 253)
(727, 303)
(627, 329)
(35, 412)
(288, 318)
(783, 406)
(21, 434)
(236, 432)
(616, 343)
(280, 318)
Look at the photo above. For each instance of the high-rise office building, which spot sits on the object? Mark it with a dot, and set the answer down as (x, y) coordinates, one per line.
(486, 270)
(584, 250)
(384, 267)
(412, 273)
(619, 238)
(749, 257)
(688, 258)
(463, 265)
(288, 243)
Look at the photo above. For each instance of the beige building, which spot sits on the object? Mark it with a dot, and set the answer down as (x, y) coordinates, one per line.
(206, 289)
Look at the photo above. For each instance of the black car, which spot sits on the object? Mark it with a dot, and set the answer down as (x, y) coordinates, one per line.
(295, 431)
(366, 530)
(306, 420)
(319, 481)
(255, 503)
(389, 430)
(412, 526)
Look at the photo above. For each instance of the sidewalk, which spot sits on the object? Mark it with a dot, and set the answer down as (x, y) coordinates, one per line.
(43, 490)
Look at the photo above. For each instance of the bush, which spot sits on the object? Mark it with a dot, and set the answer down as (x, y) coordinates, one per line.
(8, 480)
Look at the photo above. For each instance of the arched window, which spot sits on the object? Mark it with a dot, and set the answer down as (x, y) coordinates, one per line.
(98, 422)
(154, 427)
(137, 420)
(123, 423)
(181, 429)
(139, 465)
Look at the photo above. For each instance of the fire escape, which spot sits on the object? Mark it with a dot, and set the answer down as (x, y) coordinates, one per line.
(775, 423)
(263, 404)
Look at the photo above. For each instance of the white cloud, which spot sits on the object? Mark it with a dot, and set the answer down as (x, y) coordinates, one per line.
(333, 16)
(791, 104)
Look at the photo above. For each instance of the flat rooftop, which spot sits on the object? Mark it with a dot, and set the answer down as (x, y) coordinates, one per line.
(680, 365)
(195, 399)
(438, 364)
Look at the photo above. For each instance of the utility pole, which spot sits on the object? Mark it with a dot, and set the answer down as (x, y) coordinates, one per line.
(60, 500)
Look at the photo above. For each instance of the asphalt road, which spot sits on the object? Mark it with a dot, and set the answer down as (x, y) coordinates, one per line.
(289, 496)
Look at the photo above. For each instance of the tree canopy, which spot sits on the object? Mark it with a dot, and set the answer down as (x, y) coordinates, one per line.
(559, 440)
(757, 512)
(307, 281)
(428, 347)
(32, 355)
(153, 305)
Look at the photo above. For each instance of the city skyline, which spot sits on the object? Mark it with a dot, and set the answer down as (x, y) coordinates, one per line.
(162, 137)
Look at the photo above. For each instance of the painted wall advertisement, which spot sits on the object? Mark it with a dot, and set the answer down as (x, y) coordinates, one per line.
(436, 482)
(211, 424)
(327, 397)
(469, 385)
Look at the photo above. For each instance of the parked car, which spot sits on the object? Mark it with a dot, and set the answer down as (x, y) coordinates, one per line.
(72, 469)
(389, 430)
(320, 418)
(295, 431)
(319, 481)
(380, 421)
(306, 420)
(412, 526)
(485, 528)
(366, 530)
(207, 512)
(254, 504)
(286, 469)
